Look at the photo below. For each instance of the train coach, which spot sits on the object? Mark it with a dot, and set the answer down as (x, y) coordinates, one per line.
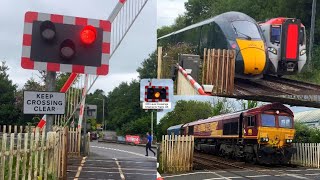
(263, 134)
(230, 30)
(286, 42)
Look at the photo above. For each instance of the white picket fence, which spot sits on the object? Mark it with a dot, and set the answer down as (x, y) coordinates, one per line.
(308, 154)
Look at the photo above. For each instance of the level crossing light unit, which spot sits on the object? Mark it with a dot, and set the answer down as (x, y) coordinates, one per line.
(155, 94)
(59, 43)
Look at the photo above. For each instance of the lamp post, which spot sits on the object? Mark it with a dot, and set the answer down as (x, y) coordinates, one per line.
(104, 123)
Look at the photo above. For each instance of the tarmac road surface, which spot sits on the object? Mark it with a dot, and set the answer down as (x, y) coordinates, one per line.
(112, 161)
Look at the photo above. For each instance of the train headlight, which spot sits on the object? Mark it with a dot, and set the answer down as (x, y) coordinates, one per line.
(264, 139)
(273, 50)
(302, 52)
(288, 140)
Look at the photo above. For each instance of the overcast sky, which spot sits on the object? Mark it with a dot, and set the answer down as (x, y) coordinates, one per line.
(138, 44)
(168, 11)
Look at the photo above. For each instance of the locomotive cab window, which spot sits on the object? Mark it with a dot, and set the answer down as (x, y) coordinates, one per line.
(216, 37)
(268, 120)
(251, 121)
(301, 36)
(190, 130)
(246, 30)
(285, 121)
(275, 34)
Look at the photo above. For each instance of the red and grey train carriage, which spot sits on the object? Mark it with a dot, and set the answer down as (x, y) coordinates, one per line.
(286, 42)
(263, 134)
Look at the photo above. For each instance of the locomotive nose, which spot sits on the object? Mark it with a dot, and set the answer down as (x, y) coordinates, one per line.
(253, 55)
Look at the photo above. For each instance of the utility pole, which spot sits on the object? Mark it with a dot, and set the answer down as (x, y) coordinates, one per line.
(313, 19)
(85, 138)
(50, 86)
(104, 122)
(151, 123)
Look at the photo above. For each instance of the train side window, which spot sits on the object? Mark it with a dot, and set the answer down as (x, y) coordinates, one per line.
(275, 34)
(251, 121)
(204, 37)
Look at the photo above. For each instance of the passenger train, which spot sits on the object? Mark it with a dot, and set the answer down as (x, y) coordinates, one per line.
(286, 42)
(230, 30)
(277, 46)
(263, 134)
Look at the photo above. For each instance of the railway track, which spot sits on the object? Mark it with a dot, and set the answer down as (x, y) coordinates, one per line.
(204, 161)
(275, 86)
(214, 162)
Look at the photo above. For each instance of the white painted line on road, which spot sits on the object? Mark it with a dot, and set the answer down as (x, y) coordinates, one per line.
(294, 170)
(94, 178)
(106, 161)
(215, 173)
(123, 151)
(80, 168)
(313, 169)
(258, 176)
(233, 177)
(127, 169)
(119, 168)
(297, 176)
(187, 174)
(240, 171)
(315, 174)
(104, 172)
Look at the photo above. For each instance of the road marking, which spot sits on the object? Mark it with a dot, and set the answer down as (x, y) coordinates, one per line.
(257, 176)
(124, 151)
(80, 168)
(136, 173)
(215, 173)
(93, 178)
(312, 169)
(127, 169)
(233, 177)
(120, 170)
(294, 170)
(111, 160)
(297, 176)
(315, 174)
(187, 174)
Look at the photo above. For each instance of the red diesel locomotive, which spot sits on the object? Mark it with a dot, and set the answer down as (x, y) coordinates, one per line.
(263, 134)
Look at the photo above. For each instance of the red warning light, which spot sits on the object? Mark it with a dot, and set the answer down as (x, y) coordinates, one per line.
(88, 34)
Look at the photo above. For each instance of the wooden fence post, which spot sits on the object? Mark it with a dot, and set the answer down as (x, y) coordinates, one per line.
(204, 64)
(18, 157)
(3, 156)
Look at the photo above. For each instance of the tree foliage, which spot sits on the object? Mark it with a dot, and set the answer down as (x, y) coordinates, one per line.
(96, 98)
(8, 110)
(139, 126)
(148, 67)
(123, 105)
(61, 79)
(305, 134)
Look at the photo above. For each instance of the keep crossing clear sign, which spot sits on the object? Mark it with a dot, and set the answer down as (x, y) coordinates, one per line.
(36, 102)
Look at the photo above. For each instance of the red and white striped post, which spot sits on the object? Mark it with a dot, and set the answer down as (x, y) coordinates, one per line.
(194, 84)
